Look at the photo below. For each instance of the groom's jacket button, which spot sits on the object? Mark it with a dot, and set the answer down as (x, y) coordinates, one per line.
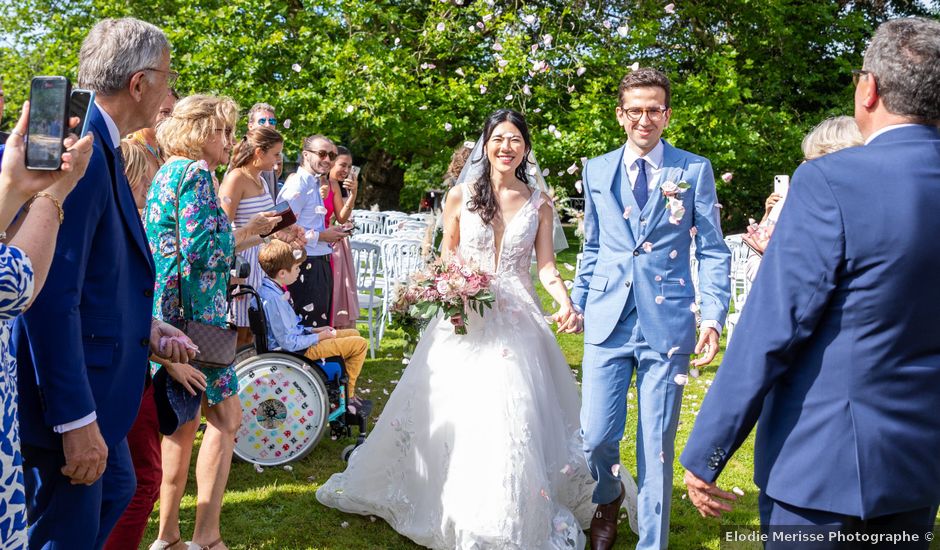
(145, 342)
(636, 252)
(627, 284)
(148, 293)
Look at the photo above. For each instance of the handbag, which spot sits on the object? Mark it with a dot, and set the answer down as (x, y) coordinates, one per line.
(216, 344)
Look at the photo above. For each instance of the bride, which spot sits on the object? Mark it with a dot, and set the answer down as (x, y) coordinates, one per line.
(479, 445)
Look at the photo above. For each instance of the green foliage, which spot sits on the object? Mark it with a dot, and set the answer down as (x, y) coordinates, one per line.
(401, 82)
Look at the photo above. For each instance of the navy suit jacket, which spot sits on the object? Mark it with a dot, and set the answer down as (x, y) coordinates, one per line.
(837, 349)
(83, 344)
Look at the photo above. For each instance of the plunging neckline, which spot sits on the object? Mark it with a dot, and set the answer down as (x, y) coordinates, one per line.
(498, 250)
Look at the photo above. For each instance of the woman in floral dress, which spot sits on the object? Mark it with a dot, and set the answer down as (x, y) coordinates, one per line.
(199, 137)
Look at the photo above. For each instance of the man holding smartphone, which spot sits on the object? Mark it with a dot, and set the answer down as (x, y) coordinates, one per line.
(312, 293)
(82, 347)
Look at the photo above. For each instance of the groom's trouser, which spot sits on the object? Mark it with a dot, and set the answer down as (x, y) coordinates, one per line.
(608, 369)
(785, 519)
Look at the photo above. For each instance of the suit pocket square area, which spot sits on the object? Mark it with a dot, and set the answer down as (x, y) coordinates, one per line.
(598, 282)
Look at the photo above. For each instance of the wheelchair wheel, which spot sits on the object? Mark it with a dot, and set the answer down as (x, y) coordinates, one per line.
(285, 408)
(348, 451)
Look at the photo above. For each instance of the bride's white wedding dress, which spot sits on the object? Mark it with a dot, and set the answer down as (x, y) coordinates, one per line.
(479, 445)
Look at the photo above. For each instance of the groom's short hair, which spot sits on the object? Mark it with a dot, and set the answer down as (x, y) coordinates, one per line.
(645, 77)
(904, 57)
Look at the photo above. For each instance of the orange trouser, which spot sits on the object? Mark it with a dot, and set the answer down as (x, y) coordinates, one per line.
(348, 345)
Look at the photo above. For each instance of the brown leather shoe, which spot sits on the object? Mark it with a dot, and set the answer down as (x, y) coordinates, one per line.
(604, 522)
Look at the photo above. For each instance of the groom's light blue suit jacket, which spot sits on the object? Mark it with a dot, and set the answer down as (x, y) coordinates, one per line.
(616, 267)
(837, 354)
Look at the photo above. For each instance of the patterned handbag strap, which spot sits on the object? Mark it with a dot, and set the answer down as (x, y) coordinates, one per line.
(179, 243)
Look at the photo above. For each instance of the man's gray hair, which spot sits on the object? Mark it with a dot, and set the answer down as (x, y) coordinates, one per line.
(259, 107)
(115, 49)
(904, 57)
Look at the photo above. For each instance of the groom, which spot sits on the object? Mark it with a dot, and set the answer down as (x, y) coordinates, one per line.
(635, 289)
(838, 356)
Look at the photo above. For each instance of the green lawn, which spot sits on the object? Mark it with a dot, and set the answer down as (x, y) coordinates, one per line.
(276, 509)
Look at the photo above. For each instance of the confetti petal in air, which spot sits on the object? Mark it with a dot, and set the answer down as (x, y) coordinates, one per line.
(726, 177)
(497, 46)
(580, 71)
(489, 16)
(441, 27)
(298, 254)
(648, 247)
(350, 108)
(674, 254)
(569, 285)
(448, 126)
(569, 267)
(287, 123)
(681, 379)
(572, 169)
(460, 71)
(308, 308)
(405, 361)
(323, 316)
(738, 491)
(658, 278)
(693, 307)
(344, 525)
(526, 90)
(296, 67)
(544, 494)
(670, 8)
(509, 97)
(397, 41)
(660, 299)
(579, 187)
(288, 468)
(662, 457)
(482, 89)
(671, 351)
(547, 39)
(627, 210)
(567, 470)
(615, 469)
(635, 66)
(545, 172)
(502, 63)
(693, 231)
(623, 31)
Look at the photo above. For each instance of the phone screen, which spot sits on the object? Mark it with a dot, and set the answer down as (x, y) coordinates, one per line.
(48, 96)
(79, 104)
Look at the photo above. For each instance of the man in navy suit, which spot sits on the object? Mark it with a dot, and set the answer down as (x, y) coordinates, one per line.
(82, 348)
(837, 350)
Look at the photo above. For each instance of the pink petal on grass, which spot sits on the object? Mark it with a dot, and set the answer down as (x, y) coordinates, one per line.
(738, 491)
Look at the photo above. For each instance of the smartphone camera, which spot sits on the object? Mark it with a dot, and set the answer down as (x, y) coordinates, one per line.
(48, 122)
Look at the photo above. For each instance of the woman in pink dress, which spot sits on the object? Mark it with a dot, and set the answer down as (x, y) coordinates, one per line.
(339, 199)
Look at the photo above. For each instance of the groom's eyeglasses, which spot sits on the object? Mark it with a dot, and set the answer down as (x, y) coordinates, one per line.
(655, 114)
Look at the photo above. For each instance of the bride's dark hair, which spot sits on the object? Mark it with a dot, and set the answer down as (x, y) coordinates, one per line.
(483, 197)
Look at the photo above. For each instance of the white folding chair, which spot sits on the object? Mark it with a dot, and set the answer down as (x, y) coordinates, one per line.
(400, 258)
(368, 225)
(366, 258)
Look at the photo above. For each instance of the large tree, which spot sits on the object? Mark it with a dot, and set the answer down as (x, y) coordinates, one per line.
(402, 82)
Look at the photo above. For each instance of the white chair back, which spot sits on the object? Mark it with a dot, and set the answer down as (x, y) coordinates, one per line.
(366, 261)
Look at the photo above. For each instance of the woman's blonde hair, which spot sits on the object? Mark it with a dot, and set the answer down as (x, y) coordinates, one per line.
(139, 163)
(195, 118)
(830, 136)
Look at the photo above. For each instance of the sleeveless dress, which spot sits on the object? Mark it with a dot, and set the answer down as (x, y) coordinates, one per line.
(345, 293)
(247, 208)
(479, 445)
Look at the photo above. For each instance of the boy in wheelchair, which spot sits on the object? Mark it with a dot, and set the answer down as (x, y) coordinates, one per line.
(281, 265)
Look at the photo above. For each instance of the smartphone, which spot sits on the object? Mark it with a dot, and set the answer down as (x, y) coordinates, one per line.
(80, 106)
(781, 185)
(48, 122)
(287, 217)
(353, 174)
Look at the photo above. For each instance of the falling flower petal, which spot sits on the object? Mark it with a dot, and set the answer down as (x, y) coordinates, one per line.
(308, 307)
(537, 110)
(502, 62)
(288, 468)
(627, 210)
(287, 123)
(547, 39)
(482, 89)
(544, 494)
(488, 17)
(344, 525)
(658, 278)
(497, 46)
(480, 24)
(648, 247)
(567, 470)
(538, 65)
(693, 231)
(572, 169)
(615, 469)
(397, 41)
(296, 67)
(580, 71)
(662, 457)
(526, 90)
(509, 97)
(660, 299)
(569, 285)
(635, 66)
(471, 28)
(530, 19)
(448, 126)
(460, 71)
(738, 491)
(571, 89)
(298, 254)
(557, 134)
(681, 281)
(726, 177)
(350, 108)
(674, 254)
(671, 351)
(441, 27)
(545, 172)
(258, 468)
(670, 8)
(623, 30)
(681, 379)
(579, 186)
(323, 316)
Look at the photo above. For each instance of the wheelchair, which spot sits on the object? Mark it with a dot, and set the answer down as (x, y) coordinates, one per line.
(288, 400)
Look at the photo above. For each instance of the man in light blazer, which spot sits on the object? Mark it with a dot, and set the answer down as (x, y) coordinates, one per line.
(645, 204)
(837, 353)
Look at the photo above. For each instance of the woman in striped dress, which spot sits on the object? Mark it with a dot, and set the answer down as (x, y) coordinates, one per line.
(244, 194)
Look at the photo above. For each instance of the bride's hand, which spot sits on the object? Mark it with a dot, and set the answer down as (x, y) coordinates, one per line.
(567, 319)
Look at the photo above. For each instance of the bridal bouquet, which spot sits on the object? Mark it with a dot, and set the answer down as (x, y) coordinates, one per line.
(453, 288)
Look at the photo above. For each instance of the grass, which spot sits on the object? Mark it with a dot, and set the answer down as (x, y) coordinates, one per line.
(277, 509)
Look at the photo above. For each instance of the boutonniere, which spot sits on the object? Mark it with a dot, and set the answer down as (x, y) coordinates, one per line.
(672, 193)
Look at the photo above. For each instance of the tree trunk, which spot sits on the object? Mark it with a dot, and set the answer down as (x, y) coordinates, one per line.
(381, 182)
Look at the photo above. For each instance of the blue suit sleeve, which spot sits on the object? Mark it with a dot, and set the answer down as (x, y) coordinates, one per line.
(714, 258)
(591, 245)
(53, 323)
(796, 281)
(290, 337)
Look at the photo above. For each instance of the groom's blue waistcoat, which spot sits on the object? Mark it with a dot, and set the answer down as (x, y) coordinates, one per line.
(838, 348)
(642, 260)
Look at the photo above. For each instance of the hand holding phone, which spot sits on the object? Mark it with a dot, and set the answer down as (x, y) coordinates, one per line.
(781, 184)
(80, 103)
(287, 215)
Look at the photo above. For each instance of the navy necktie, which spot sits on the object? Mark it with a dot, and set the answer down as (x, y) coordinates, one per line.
(641, 187)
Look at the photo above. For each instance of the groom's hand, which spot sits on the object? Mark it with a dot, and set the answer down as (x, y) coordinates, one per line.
(707, 347)
(707, 497)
